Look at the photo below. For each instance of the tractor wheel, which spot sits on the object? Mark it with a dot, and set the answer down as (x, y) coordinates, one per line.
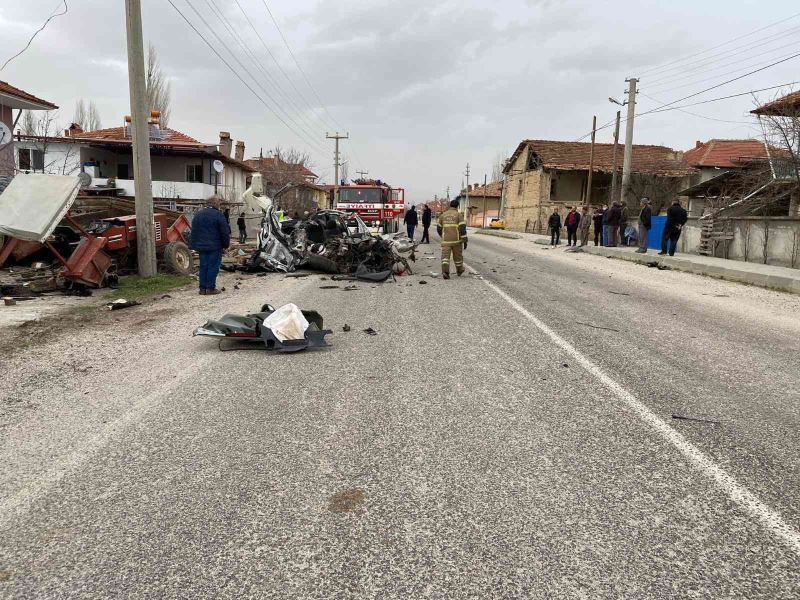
(178, 258)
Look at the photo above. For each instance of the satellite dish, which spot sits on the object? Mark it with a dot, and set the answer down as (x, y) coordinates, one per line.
(218, 166)
(85, 180)
(5, 134)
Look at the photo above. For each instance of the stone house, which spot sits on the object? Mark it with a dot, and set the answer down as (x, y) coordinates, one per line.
(484, 203)
(277, 173)
(544, 174)
(300, 197)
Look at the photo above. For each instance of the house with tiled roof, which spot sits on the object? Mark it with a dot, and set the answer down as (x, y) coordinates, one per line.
(14, 99)
(484, 203)
(277, 173)
(543, 175)
(185, 170)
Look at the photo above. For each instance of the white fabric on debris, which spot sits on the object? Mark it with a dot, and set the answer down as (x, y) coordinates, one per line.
(287, 323)
(33, 205)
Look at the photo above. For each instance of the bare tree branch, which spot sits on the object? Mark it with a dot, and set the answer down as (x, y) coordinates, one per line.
(158, 87)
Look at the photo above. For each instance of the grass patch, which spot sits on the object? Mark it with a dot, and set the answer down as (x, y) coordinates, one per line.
(133, 286)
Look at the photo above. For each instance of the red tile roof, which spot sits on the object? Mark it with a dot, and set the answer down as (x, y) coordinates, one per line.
(574, 156)
(490, 190)
(725, 153)
(10, 90)
(272, 164)
(118, 134)
(786, 105)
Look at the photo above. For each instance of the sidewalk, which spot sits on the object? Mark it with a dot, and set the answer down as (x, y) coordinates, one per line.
(768, 276)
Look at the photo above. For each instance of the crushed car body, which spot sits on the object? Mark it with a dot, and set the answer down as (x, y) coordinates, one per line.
(270, 326)
(329, 241)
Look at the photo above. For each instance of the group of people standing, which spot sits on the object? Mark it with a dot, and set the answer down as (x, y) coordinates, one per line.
(411, 219)
(612, 227)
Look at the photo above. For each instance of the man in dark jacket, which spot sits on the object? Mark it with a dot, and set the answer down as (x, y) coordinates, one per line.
(645, 224)
(614, 219)
(554, 223)
(211, 234)
(426, 224)
(572, 221)
(676, 219)
(242, 224)
(411, 219)
(597, 220)
(604, 220)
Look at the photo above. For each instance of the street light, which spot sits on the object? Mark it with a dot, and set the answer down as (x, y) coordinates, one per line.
(615, 101)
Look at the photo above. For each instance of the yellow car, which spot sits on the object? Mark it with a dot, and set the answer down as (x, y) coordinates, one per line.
(497, 224)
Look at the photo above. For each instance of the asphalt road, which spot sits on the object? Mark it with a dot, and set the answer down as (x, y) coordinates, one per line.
(505, 435)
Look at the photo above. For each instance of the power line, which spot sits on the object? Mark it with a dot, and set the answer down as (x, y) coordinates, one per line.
(232, 70)
(277, 64)
(301, 127)
(736, 39)
(38, 31)
(297, 64)
(689, 73)
(259, 65)
(666, 108)
(697, 115)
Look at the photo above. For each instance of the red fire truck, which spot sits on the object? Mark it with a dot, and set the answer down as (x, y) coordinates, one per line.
(377, 203)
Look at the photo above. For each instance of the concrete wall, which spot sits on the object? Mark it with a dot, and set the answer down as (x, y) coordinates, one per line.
(783, 240)
(59, 158)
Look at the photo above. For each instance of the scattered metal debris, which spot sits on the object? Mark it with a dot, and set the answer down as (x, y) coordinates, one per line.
(597, 326)
(370, 331)
(617, 293)
(121, 303)
(287, 329)
(346, 327)
(685, 418)
(422, 282)
(329, 287)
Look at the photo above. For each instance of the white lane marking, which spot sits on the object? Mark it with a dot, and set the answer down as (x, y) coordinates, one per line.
(735, 491)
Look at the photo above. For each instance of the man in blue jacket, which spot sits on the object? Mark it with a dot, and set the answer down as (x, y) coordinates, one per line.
(211, 234)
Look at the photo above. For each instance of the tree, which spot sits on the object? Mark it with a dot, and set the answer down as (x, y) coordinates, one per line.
(87, 116)
(498, 165)
(158, 86)
(54, 160)
(28, 125)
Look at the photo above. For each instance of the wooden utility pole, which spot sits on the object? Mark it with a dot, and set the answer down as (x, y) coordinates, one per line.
(615, 171)
(362, 173)
(588, 199)
(336, 163)
(627, 161)
(483, 217)
(143, 178)
(466, 198)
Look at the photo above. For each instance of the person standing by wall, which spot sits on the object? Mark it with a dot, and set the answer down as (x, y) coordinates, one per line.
(242, 225)
(211, 234)
(572, 221)
(645, 224)
(554, 223)
(676, 219)
(614, 218)
(586, 221)
(426, 225)
(623, 223)
(411, 219)
(597, 220)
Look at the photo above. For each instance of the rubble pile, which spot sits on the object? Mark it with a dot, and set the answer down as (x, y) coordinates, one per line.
(330, 242)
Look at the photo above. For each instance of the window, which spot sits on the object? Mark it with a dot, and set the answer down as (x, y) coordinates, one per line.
(519, 187)
(31, 160)
(553, 188)
(122, 171)
(194, 173)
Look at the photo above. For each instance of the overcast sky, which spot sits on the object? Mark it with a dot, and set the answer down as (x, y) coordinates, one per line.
(422, 86)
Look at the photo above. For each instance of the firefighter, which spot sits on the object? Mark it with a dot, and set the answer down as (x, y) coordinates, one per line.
(453, 231)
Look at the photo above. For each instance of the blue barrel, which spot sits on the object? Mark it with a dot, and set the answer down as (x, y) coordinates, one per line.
(656, 229)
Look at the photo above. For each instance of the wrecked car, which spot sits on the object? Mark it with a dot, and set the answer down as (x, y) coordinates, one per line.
(330, 241)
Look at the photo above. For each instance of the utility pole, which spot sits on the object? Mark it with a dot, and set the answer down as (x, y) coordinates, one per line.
(336, 163)
(362, 173)
(448, 194)
(614, 172)
(588, 199)
(626, 162)
(145, 228)
(466, 198)
(483, 217)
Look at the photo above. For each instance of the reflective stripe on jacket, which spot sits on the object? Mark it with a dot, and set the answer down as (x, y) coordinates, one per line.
(452, 227)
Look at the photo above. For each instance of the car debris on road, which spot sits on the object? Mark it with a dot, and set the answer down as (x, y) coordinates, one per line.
(287, 329)
(329, 241)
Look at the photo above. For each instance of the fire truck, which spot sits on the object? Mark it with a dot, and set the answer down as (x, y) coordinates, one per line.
(377, 203)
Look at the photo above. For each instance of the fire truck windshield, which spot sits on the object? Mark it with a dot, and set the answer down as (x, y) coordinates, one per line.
(366, 195)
